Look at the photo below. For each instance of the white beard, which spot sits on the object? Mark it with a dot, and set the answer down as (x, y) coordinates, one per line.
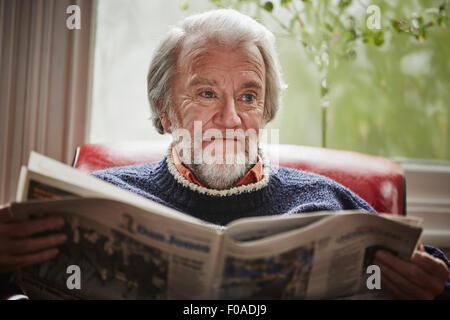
(219, 176)
(217, 173)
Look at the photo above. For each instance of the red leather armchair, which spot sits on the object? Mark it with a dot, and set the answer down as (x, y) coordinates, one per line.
(377, 180)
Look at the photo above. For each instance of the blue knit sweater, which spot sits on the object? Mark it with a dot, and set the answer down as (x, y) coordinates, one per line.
(282, 191)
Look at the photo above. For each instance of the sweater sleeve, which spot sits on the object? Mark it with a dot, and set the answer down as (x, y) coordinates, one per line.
(437, 253)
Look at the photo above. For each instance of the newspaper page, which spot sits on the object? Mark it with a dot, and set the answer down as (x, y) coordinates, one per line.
(122, 252)
(261, 227)
(47, 178)
(325, 259)
(50, 179)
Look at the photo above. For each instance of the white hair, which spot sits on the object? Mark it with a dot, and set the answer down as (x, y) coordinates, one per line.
(226, 26)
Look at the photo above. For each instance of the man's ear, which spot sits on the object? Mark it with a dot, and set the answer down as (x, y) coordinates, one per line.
(163, 117)
(165, 122)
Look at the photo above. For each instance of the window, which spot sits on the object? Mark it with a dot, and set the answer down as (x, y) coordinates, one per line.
(391, 101)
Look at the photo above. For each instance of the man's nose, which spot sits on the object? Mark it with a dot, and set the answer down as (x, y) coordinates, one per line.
(228, 117)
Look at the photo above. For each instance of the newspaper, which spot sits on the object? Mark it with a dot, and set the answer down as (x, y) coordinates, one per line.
(130, 247)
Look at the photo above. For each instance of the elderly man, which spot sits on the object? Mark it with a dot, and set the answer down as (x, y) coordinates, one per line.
(213, 84)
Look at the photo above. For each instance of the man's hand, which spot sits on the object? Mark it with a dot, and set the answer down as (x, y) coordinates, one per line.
(423, 277)
(17, 246)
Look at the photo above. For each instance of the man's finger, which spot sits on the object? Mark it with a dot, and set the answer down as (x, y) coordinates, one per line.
(388, 285)
(431, 264)
(30, 245)
(408, 270)
(409, 289)
(28, 228)
(15, 262)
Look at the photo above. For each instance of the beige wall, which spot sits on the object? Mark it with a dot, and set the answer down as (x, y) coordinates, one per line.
(44, 83)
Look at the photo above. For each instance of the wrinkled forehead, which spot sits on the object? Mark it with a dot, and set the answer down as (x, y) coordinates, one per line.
(196, 51)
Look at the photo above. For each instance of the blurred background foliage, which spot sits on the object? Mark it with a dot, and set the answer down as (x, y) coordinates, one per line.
(382, 91)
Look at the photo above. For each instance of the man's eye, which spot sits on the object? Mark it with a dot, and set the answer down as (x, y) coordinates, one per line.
(207, 94)
(248, 97)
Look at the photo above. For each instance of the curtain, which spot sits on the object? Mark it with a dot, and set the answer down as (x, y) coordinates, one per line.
(44, 83)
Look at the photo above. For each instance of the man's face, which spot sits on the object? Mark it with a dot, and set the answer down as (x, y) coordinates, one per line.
(223, 87)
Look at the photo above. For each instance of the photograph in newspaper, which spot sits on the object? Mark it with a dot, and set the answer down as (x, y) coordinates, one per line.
(114, 265)
(284, 276)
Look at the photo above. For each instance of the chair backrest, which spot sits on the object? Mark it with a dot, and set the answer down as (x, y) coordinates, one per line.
(377, 180)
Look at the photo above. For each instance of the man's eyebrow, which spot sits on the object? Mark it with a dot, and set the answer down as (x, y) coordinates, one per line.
(252, 85)
(202, 81)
